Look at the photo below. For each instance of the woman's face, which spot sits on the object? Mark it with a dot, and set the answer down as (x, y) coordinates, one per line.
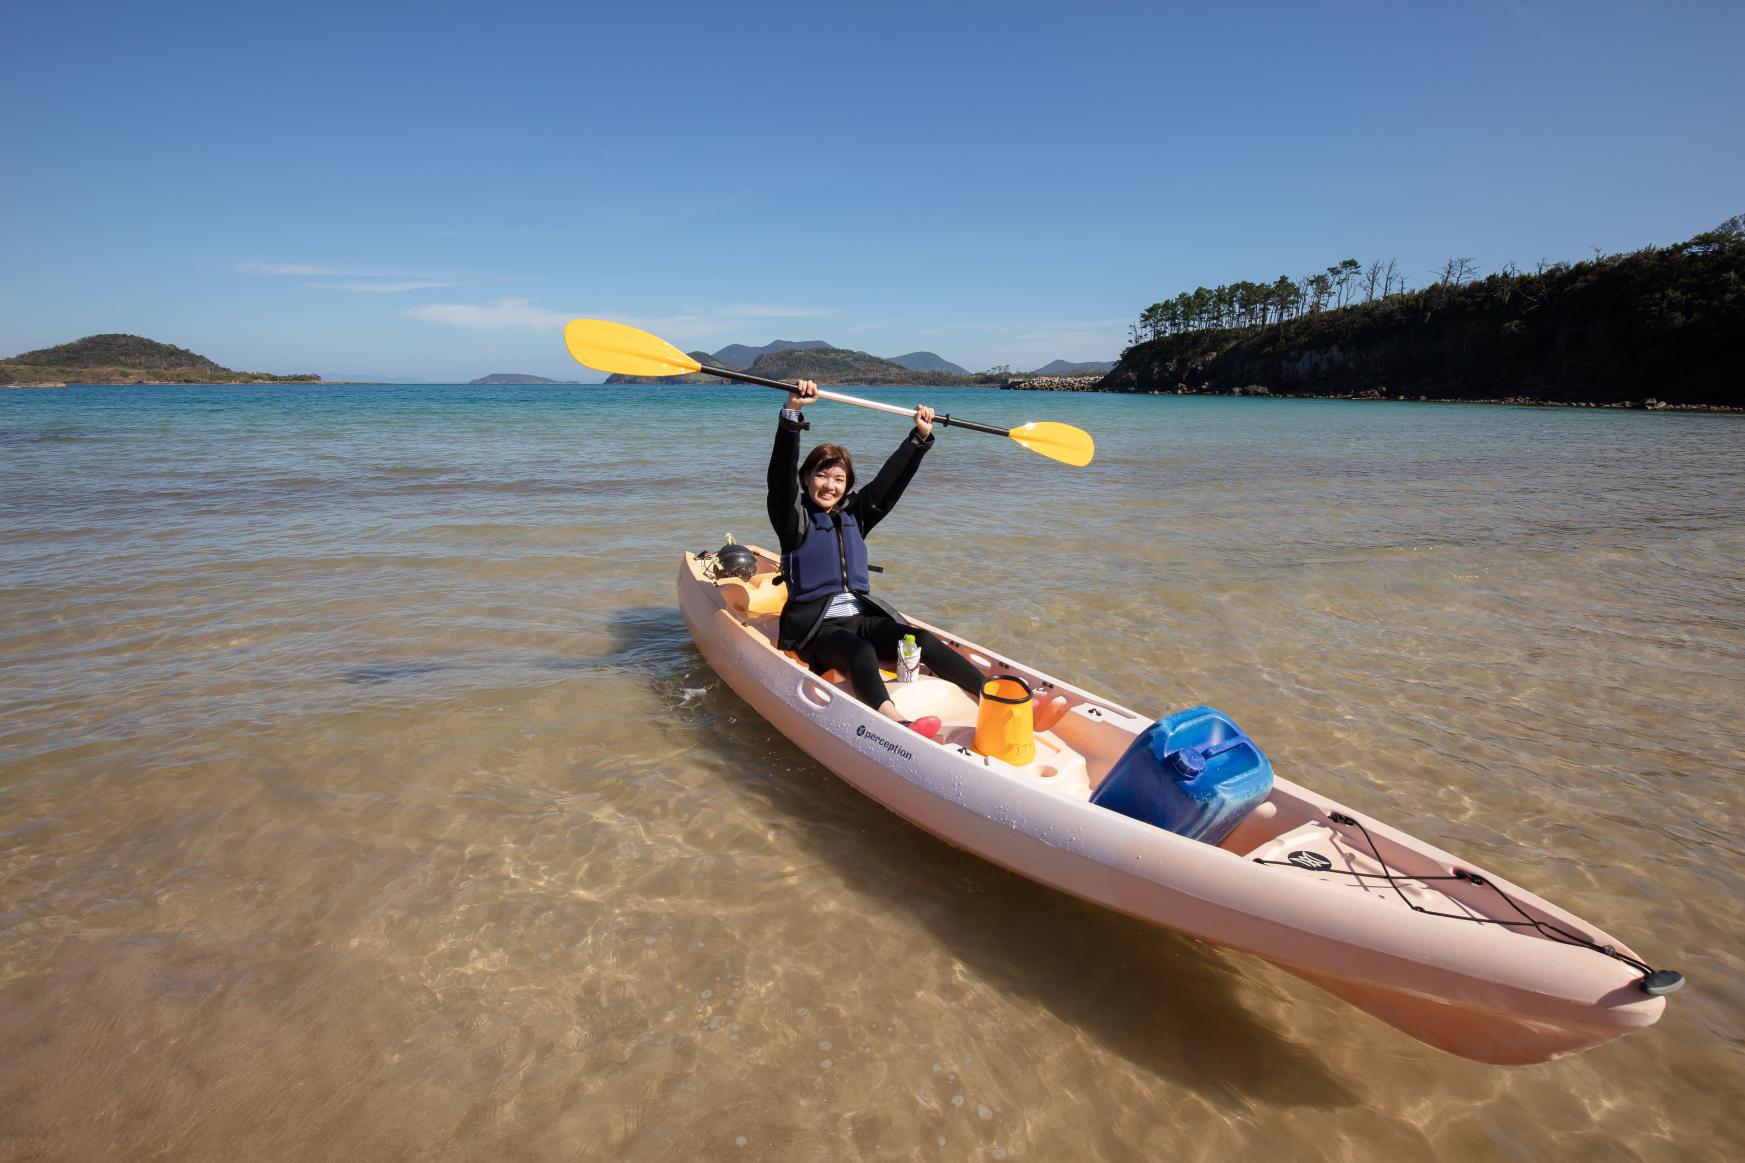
(826, 485)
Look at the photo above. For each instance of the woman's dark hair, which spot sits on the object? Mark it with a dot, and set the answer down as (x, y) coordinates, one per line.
(824, 456)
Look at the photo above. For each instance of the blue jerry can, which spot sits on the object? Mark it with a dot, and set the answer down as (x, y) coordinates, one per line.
(1193, 772)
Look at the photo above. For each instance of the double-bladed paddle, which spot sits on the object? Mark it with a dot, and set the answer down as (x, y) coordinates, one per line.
(624, 350)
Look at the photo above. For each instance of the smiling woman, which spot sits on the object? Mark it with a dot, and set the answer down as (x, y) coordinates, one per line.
(827, 473)
(831, 620)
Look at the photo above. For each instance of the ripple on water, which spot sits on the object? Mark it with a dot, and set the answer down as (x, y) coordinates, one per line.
(347, 790)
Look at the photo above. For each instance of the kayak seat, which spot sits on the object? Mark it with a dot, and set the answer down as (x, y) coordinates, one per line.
(757, 596)
(888, 666)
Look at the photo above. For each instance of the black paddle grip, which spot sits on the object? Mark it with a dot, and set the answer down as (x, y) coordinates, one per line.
(972, 425)
(728, 373)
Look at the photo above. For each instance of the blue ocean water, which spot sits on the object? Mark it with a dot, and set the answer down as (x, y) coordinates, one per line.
(669, 459)
(344, 719)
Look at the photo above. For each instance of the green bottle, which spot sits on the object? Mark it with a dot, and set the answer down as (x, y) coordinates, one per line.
(908, 659)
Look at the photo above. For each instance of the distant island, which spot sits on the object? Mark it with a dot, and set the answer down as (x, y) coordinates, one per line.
(1061, 367)
(1659, 327)
(837, 365)
(926, 361)
(114, 358)
(826, 365)
(517, 378)
(125, 359)
(740, 357)
(814, 359)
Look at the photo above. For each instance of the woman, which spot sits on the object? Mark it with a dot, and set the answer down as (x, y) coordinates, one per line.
(830, 619)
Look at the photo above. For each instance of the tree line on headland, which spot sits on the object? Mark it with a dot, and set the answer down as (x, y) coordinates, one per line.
(1660, 323)
(1247, 304)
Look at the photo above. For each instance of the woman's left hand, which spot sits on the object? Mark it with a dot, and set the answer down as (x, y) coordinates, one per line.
(924, 421)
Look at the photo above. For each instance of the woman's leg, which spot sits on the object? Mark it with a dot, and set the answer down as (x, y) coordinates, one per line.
(945, 662)
(949, 665)
(840, 646)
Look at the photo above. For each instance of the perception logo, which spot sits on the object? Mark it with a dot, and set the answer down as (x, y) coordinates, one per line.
(1313, 861)
(888, 744)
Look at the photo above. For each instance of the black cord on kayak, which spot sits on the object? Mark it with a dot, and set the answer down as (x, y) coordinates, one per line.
(1656, 982)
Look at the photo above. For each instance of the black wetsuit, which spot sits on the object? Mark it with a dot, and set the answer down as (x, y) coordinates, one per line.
(853, 644)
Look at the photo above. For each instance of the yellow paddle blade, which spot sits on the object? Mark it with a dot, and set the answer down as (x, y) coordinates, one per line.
(1060, 442)
(617, 347)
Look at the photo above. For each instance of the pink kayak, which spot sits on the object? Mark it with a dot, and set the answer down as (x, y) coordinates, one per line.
(1363, 910)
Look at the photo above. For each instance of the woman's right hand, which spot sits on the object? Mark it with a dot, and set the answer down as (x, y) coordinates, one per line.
(803, 393)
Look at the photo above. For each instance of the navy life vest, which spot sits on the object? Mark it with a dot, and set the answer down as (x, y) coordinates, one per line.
(830, 558)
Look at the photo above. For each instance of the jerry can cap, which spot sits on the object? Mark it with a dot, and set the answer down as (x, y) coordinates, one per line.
(1186, 762)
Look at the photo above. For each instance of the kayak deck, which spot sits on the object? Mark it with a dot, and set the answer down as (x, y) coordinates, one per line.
(1072, 759)
(1296, 882)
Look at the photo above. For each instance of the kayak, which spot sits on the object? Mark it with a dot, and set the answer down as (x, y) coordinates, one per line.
(1444, 951)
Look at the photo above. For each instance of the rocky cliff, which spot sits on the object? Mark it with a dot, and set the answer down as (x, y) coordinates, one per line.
(1664, 323)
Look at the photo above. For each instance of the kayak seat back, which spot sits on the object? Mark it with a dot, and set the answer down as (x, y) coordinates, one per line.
(1194, 773)
(756, 596)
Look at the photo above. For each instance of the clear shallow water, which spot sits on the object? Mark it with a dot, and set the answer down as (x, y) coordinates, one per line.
(360, 790)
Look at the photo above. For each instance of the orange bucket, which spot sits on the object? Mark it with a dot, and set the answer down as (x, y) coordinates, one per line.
(1004, 729)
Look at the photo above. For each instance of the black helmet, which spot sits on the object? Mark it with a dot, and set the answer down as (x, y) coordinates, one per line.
(735, 560)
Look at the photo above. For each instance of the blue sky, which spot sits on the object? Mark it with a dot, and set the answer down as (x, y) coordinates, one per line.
(430, 189)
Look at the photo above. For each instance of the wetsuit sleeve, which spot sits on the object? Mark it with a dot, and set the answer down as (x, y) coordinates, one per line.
(881, 496)
(784, 484)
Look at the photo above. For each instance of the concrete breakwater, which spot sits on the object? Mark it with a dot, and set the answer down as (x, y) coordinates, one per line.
(1053, 384)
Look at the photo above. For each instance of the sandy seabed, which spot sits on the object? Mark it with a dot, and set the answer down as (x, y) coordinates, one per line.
(361, 793)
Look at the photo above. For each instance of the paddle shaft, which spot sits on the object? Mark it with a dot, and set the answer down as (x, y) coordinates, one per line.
(747, 378)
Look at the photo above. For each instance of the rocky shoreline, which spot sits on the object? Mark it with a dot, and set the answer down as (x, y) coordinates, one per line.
(181, 383)
(1093, 384)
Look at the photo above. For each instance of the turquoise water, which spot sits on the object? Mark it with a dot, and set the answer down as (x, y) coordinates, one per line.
(350, 735)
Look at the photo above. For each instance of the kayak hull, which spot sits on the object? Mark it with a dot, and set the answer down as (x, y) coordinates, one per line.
(1484, 991)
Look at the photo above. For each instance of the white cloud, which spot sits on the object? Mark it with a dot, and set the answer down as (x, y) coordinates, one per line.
(386, 288)
(690, 329)
(1031, 343)
(760, 311)
(1032, 329)
(1526, 15)
(502, 315)
(318, 270)
(686, 330)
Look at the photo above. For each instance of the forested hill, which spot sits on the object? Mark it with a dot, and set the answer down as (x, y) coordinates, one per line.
(739, 357)
(826, 365)
(702, 357)
(1662, 323)
(927, 361)
(837, 365)
(125, 359)
(1061, 367)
